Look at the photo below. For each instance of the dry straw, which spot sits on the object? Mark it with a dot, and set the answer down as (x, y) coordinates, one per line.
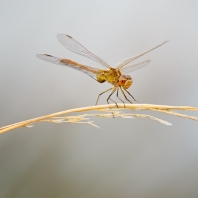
(104, 111)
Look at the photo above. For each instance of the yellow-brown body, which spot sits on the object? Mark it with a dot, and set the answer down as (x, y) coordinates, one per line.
(115, 77)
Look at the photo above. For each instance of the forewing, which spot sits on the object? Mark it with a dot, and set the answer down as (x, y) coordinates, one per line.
(134, 67)
(74, 46)
(128, 60)
(92, 72)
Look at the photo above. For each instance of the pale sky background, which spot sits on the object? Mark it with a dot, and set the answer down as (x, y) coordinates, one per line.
(137, 158)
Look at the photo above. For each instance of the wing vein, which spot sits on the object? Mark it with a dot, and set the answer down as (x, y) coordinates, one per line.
(74, 46)
(128, 60)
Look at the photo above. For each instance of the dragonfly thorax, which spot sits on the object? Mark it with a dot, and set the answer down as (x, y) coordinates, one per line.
(125, 81)
(111, 76)
(115, 77)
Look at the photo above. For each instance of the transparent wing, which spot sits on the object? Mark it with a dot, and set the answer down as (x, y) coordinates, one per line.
(128, 60)
(74, 46)
(134, 67)
(92, 72)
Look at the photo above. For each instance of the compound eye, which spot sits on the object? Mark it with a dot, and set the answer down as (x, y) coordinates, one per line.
(122, 82)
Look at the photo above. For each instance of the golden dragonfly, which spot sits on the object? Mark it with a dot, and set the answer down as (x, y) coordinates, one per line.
(115, 76)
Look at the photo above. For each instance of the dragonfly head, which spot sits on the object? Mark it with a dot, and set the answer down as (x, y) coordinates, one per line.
(125, 81)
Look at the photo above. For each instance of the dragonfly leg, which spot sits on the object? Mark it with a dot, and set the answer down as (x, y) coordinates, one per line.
(114, 102)
(130, 95)
(101, 94)
(125, 95)
(109, 98)
(119, 97)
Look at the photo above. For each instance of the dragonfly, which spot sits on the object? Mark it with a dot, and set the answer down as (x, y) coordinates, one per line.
(117, 76)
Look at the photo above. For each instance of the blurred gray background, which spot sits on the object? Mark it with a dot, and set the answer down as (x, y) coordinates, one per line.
(127, 157)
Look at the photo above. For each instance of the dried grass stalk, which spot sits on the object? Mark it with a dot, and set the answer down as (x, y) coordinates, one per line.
(106, 111)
